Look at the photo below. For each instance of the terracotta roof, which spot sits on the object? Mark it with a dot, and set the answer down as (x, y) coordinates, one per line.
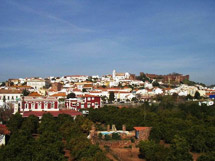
(77, 90)
(23, 86)
(141, 128)
(53, 113)
(4, 130)
(208, 94)
(96, 92)
(88, 85)
(35, 94)
(3, 91)
(62, 94)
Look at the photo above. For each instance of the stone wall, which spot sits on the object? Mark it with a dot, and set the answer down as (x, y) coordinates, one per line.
(113, 143)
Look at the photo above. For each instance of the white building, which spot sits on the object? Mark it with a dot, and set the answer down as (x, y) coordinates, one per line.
(10, 96)
(39, 103)
(37, 83)
(120, 76)
(76, 78)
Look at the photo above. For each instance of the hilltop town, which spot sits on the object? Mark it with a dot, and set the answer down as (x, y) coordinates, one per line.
(119, 116)
(117, 88)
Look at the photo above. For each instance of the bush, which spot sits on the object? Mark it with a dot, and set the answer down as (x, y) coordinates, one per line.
(116, 136)
(107, 137)
(100, 135)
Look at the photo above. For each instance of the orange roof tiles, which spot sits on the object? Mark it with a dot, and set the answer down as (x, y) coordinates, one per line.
(88, 85)
(95, 92)
(141, 128)
(76, 90)
(35, 94)
(60, 94)
(4, 91)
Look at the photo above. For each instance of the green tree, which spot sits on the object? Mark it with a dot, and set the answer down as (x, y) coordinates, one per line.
(207, 157)
(30, 124)
(15, 123)
(111, 96)
(84, 90)
(25, 92)
(2, 84)
(155, 84)
(179, 150)
(152, 151)
(107, 137)
(197, 95)
(116, 136)
(71, 95)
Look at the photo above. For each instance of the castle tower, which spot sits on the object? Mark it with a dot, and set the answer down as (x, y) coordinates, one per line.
(114, 74)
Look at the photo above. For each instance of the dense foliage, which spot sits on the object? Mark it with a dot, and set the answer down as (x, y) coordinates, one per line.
(193, 124)
(48, 140)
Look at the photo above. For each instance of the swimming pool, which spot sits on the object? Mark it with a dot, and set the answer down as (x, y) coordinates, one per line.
(111, 132)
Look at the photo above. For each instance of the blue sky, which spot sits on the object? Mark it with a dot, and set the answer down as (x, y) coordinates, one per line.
(63, 37)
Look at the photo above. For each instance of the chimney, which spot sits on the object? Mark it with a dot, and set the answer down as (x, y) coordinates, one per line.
(124, 127)
(108, 127)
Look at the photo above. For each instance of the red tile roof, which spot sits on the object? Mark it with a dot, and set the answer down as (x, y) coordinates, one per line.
(53, 113)
(87, 95)
(141, 128)
(95, 92)
(60, 94)
(3, 91)
(35, 94)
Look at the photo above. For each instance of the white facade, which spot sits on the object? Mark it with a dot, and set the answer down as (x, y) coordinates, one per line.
(9, 96)
(148, 85)
(120, 76)
(31, 103)
(36, 83)
(158, 91)
(2, 139)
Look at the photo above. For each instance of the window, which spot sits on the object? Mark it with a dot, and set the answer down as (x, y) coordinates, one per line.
(88, 105)
(96, 105)
(8, 97)
(88, 99)
(46, 105)
(73, 104)
(52, 105)
(93, 98)
(82, 105)
(12, 98)
(33, 105)
(39, 105)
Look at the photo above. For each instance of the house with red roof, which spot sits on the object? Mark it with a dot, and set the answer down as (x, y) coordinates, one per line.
(35, 102)
(142, 133)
